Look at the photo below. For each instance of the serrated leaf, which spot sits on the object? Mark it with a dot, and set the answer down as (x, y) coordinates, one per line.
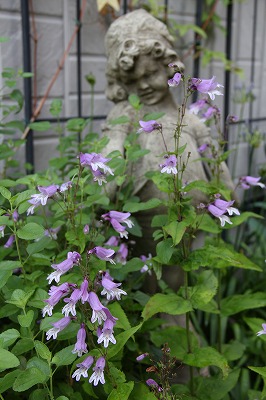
(28, 378)
(7, 360)
(176, 230)
(166, 303)
(30, 231)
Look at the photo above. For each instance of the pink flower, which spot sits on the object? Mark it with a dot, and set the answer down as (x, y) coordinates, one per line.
(111, 289)
(99, 312)
(203, 147)
(169, 165)
(142, 356)
(83, 368)
(149, 126)
(197, 106)
(116, 219)
(56, 293)
(263, 331)
(81, 346)
(9, 242)
(98, 375)
(103, 254)
(58, 326)
(218, 213)
(175, 80)
(206, 86)
(152, 383)
(227, 206)
(247, 181)
(71, 301)
(41, 198)
(96, 162)
(106, 334)
(122, 253)
(73, 258)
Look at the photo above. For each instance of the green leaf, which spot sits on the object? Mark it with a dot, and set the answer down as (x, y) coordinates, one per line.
(28, 378)
(153, 116)
(134, 101)
(259, 370)
(121, 339)
(234, 304)
(22, 346)
(42, 350)
(9, 265)
(118, 312)
(7, 381)
(120, 120)
(215, 387)
(56, 107)
(140, 206)
(40, 126)
(122, 392)
(64, 357)
(5, 192)
(40, 364)
(166, 303)
(164, 251)
(233, 350)
(18, 97)
(76, 124)
(7, 360)
(20, 298)
(31, 231)
(159, 220)
(39, 394)
(204, 290)
(176, 230)
(22, 196)
(26, 320)
(38, 246)
(9, 337)
(169, 335)
(141, 392)
(207, 224)
(206, 356)
(239, 219)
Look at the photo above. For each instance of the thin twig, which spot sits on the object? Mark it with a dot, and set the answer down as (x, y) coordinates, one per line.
(57, 72)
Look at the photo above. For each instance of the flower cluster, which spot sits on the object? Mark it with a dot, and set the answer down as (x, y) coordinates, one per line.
(100, 315)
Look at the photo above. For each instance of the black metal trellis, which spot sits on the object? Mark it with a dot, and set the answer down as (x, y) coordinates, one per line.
(25, 16)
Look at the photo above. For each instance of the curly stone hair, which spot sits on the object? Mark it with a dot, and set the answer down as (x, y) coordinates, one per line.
(134, 34)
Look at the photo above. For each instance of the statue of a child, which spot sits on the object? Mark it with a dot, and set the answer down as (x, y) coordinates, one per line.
(139, 49)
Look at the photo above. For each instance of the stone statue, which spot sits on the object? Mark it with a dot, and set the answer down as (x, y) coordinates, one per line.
(139, 49)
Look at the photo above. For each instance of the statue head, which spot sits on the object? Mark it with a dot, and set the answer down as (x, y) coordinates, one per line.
(139, 48)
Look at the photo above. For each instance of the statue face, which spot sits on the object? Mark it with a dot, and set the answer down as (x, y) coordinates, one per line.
(148, 80)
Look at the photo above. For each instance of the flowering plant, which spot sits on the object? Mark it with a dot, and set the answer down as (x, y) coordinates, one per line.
(85, 328)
